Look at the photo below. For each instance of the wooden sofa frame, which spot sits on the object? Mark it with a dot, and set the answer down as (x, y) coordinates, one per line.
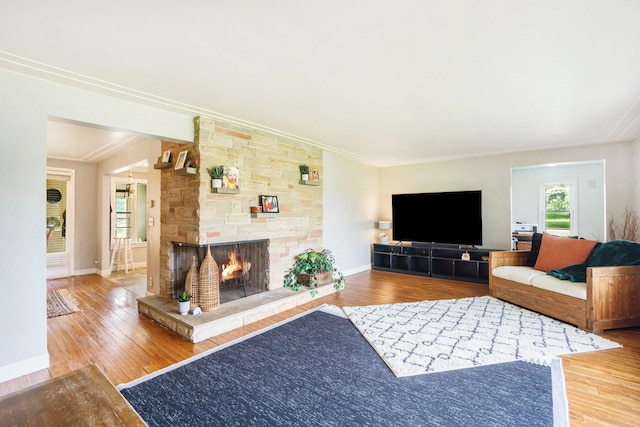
(613, 295)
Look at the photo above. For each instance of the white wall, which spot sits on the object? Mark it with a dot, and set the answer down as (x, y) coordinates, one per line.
(350, 211)
(590, 209)
(25, 104)
(484, 173)
(491, 174)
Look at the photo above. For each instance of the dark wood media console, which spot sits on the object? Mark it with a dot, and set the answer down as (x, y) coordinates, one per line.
(445, 262)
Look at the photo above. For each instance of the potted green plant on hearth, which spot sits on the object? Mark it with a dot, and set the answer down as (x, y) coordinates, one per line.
(184, 302)
(312, 269)
(216, 173)
(304, 172)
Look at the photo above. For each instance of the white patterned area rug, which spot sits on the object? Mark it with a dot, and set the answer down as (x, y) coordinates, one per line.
(432, 336)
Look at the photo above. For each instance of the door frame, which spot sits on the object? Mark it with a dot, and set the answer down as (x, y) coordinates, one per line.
(70, 215)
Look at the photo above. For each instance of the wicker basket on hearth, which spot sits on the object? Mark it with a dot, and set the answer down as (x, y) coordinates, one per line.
(209, 287)
(191, 284)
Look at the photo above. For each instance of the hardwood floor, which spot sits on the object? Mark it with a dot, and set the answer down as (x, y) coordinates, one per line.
(603, 387)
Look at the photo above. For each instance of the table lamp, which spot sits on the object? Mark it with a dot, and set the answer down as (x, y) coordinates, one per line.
(383, 236)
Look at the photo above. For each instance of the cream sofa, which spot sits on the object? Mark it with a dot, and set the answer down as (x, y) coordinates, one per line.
(609, 299)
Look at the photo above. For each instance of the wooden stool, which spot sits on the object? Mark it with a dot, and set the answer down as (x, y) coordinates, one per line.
(120, 245)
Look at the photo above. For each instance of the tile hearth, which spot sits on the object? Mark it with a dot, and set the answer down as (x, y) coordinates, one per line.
(227, 316)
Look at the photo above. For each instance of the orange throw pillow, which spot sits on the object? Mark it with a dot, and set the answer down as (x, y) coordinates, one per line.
(558, 252)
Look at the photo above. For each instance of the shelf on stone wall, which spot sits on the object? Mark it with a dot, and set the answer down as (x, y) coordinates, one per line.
(225, 190)
(315, 183)
(265, 215)
(186, 171)
(162, 165)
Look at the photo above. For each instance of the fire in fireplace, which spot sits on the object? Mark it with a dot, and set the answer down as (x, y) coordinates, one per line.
(234, 266)
(243, 267)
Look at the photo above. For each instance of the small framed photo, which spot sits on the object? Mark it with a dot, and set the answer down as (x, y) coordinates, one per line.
(182, 157)
(166, 156)
(230, 178)
(314, 175)
(269, 204)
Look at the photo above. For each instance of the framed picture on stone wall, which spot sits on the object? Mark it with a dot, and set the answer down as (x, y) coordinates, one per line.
(230, 178)
(182, 157)
(166, 156)
(269, 204)
(314, 175)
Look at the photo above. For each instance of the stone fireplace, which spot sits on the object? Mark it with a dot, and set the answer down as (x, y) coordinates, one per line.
(193, 216)
(243, 266)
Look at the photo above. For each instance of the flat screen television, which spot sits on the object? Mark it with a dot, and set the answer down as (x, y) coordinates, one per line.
(453, 217)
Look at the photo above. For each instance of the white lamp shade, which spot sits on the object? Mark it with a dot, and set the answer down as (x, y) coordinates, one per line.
(384, 225)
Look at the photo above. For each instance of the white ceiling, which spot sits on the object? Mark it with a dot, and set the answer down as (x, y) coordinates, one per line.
(82, 143)
(389, 82)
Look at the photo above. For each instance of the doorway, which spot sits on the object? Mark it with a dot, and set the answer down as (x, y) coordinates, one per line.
(60, 222)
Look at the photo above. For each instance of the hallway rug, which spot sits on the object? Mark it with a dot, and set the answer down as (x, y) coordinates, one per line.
(60, 302)
(432, 336)
(317, 370)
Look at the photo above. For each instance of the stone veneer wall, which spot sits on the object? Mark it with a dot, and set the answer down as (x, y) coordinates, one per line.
(268, 164)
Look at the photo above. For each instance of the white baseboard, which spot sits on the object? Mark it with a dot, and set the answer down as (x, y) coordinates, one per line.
(355, 270)
(107, 272)
(24, 367)
(85, 271)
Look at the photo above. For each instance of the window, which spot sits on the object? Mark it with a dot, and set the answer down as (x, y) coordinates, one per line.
(559, 204)
(129, 209)
(123, 209)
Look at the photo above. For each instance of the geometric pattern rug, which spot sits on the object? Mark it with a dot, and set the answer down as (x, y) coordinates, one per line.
(432, 336)
(316, 369)
(60, 302)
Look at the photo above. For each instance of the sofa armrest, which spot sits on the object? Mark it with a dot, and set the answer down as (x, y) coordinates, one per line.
(498, 259)
(621, 270)
(613, 294)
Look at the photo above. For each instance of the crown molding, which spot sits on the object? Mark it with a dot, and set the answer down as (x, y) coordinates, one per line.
(80, 81)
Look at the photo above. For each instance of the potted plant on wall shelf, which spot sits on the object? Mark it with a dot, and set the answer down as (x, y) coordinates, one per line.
(304, 172)
(184, 302)
(312, 269)
(216, 173)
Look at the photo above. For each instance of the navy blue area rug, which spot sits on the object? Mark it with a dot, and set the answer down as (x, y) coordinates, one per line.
(318, 370)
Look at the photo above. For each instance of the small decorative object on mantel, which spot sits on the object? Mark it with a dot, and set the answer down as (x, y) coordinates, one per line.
(216, 173)
(312, 269)
(191, 285)
(304, 172)
(209, 284)
(183, 303)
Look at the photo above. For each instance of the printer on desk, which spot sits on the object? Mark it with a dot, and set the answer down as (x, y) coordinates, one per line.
(518, 228)
(521, 235)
